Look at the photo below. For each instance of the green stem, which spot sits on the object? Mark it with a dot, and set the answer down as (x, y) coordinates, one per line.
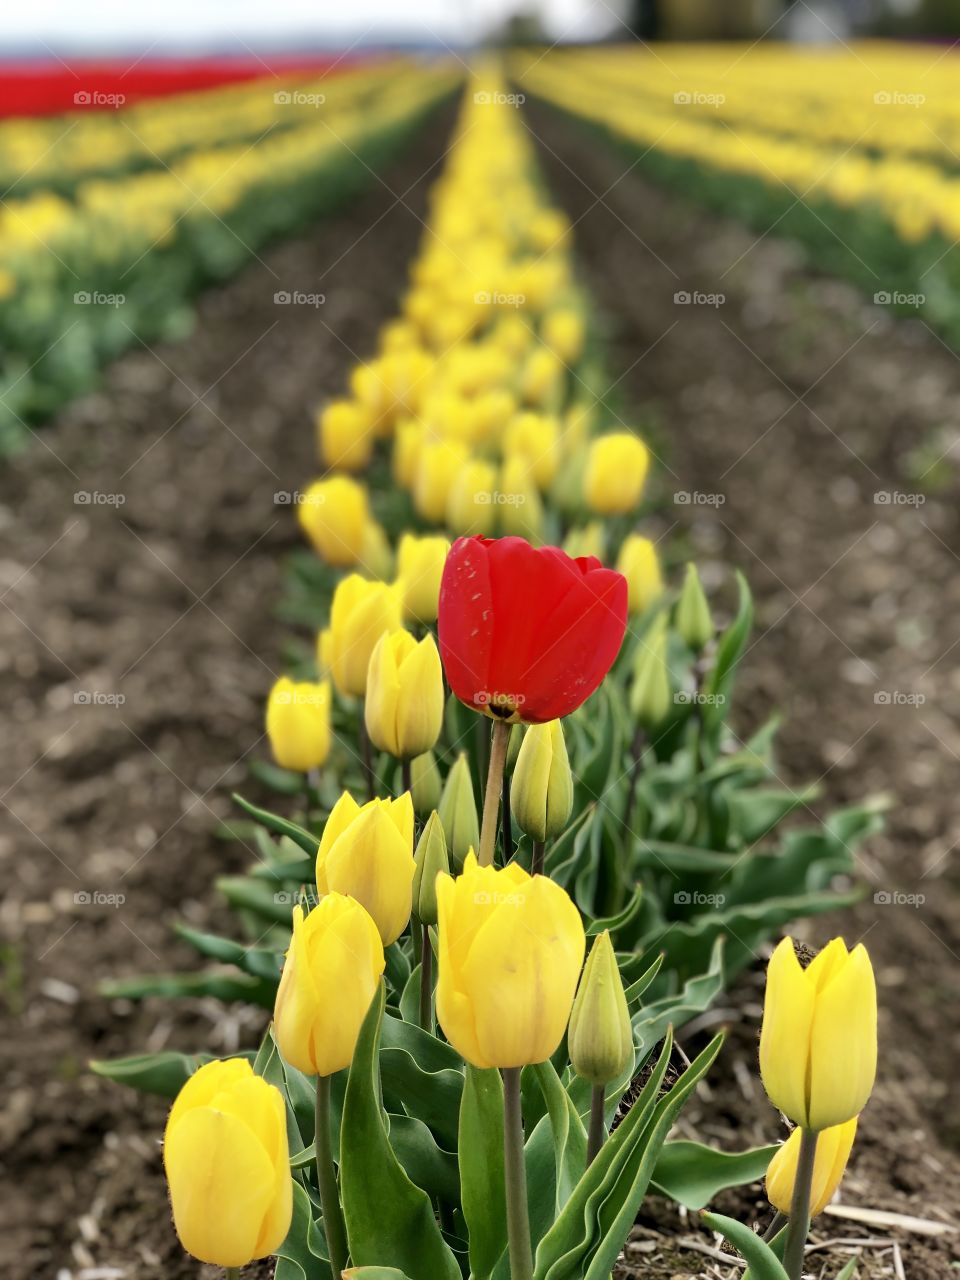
(800, 1205)
(231, 1273)
(366, 753)
(537, 857)
(491, 797)
(597, 1133)
(426, 979)
(406, 775)
(777, 1223)
(515, 1177)
(507, 824)
(333, 1226)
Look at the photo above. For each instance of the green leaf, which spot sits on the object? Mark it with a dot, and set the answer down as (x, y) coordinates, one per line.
(483, 1193)
(280, 826)
(569, 1135)
(651, 1021)
(763, 1262)
(222, 986)
(303, 1255)
(387, 1216)
(637, 988)
(257, 896)
(849, 1270)
(259, 962)
(621, 919)
(730, 649)
(692, 1173)
(422, 1076)
(283, 781)
(162, 1073)
(375, 1273)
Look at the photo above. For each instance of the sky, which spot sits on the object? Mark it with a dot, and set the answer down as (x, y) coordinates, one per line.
(69, 23)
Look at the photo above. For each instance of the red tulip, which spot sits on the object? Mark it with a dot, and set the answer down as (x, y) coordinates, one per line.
(525, 633)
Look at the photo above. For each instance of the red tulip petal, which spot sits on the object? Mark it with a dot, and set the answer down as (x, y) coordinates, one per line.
(465, 618)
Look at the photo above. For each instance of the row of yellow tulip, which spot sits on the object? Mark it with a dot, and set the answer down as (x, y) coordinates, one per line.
(896, 158)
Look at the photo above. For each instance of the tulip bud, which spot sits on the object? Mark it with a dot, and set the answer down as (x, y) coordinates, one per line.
(344, 435)
(330, 975)
(588, 540)
(334, 515)
(377, 556)
(521, 511)
(407, 443)
(651, 696)
(535, 438)
(226, 1158)
(403, 709)
(419, 568)
(640, 566)
(541, 794)
(692, 619)
(470, 502)
(510, 950)
(818, 1041)
(600, 1035)
(563, 331)
(438, 465)
(298, 724)
(458, 811)
(616, 472)
(366, 852)
(833, 1152)
(361, 611)
(431, 858)
(425, 783)
(541, 377)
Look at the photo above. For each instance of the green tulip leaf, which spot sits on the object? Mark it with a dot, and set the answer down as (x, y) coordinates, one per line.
(422, 1076)
(259, 962)
(161, 1073)
(651, 1021)
(284, 781)
(481, 1169)
(636, 989)
(849, 1270)
(280, 826)
(692, 1173)
(374, 1273)
(303, 1255)
(569, 1135)
(730, 649)
(387, 1215)
(227, 987)
(763, 1262)
(258, 897)
(621, 919)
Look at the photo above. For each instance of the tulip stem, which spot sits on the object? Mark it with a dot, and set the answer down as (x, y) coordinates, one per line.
(426, 979)
(231, 1273)
(333, 1225)
(777, 1223)
(515, 1178)
(366, 753)
(406, 774)
(597, 1133)
(800, 1205)
(507, 825)
(537, 857)
(491, 797)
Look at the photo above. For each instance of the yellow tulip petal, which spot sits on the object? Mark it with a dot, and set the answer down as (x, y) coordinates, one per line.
(843, 1043)
(785, 1033)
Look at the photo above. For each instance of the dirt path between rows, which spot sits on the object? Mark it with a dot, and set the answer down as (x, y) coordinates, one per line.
(137, 647)
(787, 411)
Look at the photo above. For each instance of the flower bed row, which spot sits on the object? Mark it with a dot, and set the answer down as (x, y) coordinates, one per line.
(437, 1092)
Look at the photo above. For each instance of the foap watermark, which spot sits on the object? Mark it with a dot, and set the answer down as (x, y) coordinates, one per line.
(486, 98)
(312, 697)
(294, 498)
(695, 98)
(96, 498)
(695, 298)
(897, 98)
(495, 299)
(494, 498)
(897, 898)
(898, 698)
(98, 698)
(97, 898)
(94, 298)
(898, 298)
(298, 98)
(306, 894)
(697, 698)
(696, 898)
(96, 98)
(693, 498)
(895, 498)
(485, 898)
(498, 702)
(298, 298)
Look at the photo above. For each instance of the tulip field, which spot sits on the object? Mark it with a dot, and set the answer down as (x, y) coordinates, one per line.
(480, 599)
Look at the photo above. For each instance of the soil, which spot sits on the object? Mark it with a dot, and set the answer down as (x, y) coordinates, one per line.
(818, 440)
(794, 400)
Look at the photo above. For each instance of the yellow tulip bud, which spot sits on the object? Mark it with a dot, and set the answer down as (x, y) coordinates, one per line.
(458, 811)
(377, 556)
(541, 795)
(542, 377)
(833, 1152)
(361, 611)
(639, 564)
(616, 471)
(510, 951)
(330, 976)
(588, 540)
(366, 852)
(298, 724)
(404, 701)
(535, 438)
(470, 502)
(439, 464)
(419, 567)
(651, 695)
(227, 1163)
(425, 783)
(692, 619)
(600, 1037)
(334, 515)
(324, 651)
(345, 435)
(818, 1042)
(431, 859)
(564, 332)
(407, 443)
(519, 505)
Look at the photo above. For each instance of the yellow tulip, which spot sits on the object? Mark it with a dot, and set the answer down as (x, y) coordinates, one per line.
(639, 564)
(404, 701)
(833, 1152)
(535, 437)
(510, 952)
(519, 507)
(438, 465)
(226, 1158)
(470, 501)
(587, 540)
(408, 441)
(298, 724)
(542, 377)
(345, 435)
(361, 611)
(330, 975)
(563, 331)
(541, 795)
(419, 568)
(333, 514)
(616, 471)
(818, 1042)
(366, 852)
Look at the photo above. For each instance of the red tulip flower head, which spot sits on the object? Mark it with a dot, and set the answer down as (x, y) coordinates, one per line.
(527, 633)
